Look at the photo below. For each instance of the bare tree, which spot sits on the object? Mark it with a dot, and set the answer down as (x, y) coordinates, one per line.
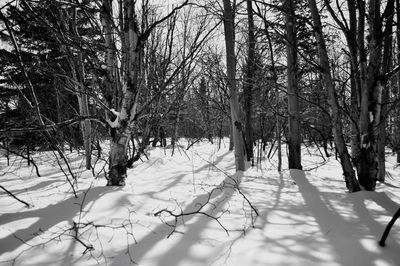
(347, 167)
(395, 136)
(237, 124)
(249, 80)
(124, 120)
(371, 71)
(294, 141)
(78, 70)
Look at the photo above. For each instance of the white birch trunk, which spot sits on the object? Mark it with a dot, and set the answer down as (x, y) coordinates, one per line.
(122, 125)
(237, 124)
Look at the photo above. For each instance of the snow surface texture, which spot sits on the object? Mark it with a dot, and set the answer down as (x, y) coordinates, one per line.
(305, 217)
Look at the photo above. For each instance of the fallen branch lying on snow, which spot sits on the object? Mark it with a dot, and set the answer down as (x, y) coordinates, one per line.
(15, 197)
(200, 208)
(236, 185)
(388, 227)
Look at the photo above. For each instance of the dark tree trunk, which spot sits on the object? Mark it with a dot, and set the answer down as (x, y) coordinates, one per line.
(294, 140)
(248, 87)
(345, 160)
(388, 227)
(386, 66)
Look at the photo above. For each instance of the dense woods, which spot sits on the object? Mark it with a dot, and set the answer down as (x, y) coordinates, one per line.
(77, 74)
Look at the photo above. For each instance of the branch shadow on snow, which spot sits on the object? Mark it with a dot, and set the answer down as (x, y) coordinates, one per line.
(48, 217)
(194, 225)
(353, 234)
(180, 177)
(41, 186)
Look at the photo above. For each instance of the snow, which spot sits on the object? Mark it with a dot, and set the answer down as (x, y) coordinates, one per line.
(115, 122)
(305, 217)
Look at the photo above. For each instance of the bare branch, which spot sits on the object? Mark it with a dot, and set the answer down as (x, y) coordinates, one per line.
(15, 197)
(22, 156)
(143, 37)
(53, 126)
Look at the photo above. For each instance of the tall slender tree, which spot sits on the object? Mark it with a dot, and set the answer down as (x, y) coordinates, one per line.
(249, 81)
(78, 70)
(327, 81)
(294, 137)
(237, 124)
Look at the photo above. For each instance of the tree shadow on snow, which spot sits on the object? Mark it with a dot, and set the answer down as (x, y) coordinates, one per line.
(48, 217)
(40, 186)
(352, 236)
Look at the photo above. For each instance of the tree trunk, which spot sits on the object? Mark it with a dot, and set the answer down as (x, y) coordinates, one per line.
(59, 111)
(86, 128)
(365, 161)
(123, 123)
(231, 143)
(370, 94)
(355, 82)
(386, 66)
(237, 125)
(294, 140)
(372, 88)
(205, 106)
(83, 101)
(381, 141)
(278, 129)
(348, 171)
(175, 130)
(248, 86)
(354, 139)
(396, 119)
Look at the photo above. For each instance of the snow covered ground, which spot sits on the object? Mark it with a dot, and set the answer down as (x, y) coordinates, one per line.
(305, 217)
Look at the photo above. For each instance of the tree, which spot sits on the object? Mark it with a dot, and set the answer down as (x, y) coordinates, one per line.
(294, 141)
(237, 124)
(123, 124)
(78, 75)
(347, 167)
(249, 80)
(371, 70)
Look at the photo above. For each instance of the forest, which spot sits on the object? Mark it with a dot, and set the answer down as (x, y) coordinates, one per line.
(183, 132)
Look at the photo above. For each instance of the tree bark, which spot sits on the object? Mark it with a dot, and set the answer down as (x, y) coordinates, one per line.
(248, 86)
(278, 129)
(396, 118)
(237, 125)
(348, 171)
(351, 37)
(385, 234)
(294, 140)
(386, 66)
(123, 123)
(83, 100)
(371, 96)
